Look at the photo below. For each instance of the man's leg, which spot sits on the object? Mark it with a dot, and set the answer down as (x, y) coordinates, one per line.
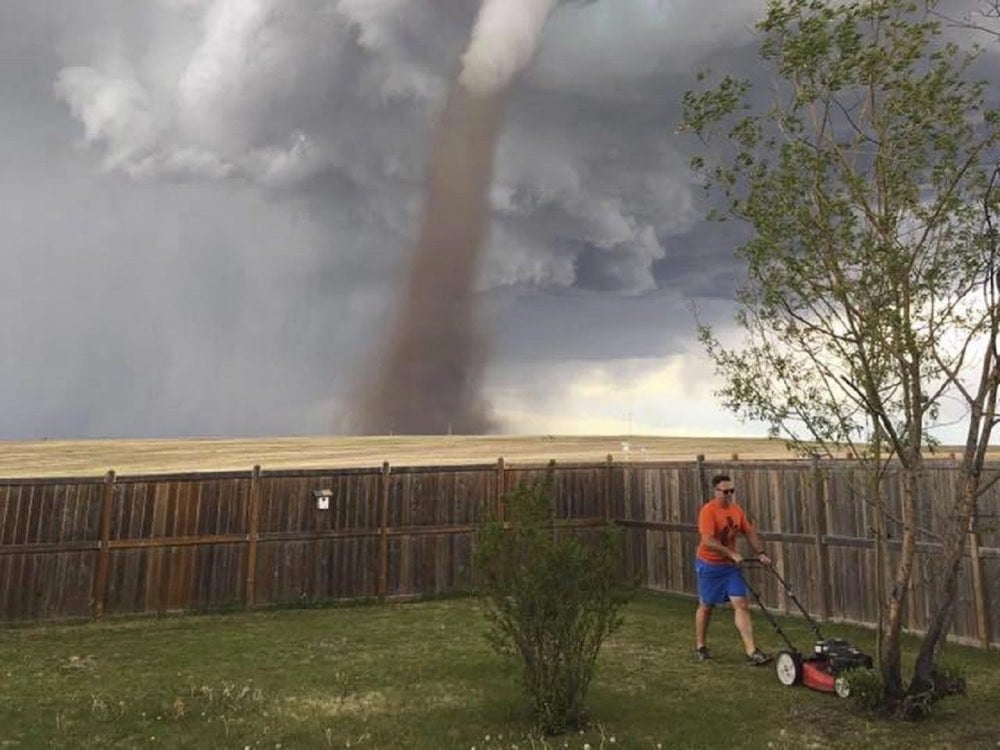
(744, 624)
(701, 620)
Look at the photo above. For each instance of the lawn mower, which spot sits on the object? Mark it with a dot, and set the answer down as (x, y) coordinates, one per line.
(824, 668)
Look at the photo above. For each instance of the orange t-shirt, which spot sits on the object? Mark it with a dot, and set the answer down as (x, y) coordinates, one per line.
(723, 524)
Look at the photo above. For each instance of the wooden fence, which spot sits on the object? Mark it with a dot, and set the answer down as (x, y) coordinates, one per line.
(818, 527)
(72, 548)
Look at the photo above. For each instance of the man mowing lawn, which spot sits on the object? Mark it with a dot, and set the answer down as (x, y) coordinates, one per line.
(717, 568)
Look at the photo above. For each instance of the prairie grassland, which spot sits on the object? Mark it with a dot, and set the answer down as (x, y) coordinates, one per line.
(82, 458)
(86, 458)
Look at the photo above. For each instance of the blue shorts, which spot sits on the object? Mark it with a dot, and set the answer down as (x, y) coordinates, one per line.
(717, 582)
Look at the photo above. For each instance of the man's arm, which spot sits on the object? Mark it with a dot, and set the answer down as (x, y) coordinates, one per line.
(709, 541)
(756, 544)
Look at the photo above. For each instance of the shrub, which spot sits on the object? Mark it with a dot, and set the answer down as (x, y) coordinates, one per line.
(867, 690)
(550, 599)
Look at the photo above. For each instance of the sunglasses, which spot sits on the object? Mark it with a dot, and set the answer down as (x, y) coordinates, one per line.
(728, 492)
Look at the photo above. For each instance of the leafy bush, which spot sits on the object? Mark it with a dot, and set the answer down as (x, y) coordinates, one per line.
(867, 690)
(550, 599)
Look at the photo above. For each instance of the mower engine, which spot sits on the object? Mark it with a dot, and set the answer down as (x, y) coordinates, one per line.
(840, 655)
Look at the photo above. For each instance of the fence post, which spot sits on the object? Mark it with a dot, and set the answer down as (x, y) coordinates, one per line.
(607, 489)
(383, 571)
(253, 534)
(500, 487)
(778, 518)
(699, 461)
(982, 612)
(822, 553)
(100, 589)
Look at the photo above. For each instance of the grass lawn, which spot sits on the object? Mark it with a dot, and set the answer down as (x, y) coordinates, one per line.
(422, 676)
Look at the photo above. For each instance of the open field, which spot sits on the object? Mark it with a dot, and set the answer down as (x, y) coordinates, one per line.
(423, 676)
(84, 458)
(47, 458)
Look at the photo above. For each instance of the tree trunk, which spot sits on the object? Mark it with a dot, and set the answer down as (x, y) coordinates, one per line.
(953, 553)
(882, 572)
(891, 656)
(983, 414)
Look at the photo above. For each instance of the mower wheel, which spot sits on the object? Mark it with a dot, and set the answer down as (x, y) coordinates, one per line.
(788, 667)
(842, 687)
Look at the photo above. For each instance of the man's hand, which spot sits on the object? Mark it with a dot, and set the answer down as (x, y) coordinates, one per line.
(737, 557)
(763, 559)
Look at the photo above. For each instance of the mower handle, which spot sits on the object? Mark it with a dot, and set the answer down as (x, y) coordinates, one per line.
(754, 563)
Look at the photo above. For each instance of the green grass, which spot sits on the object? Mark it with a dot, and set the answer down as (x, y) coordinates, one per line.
(422, 676)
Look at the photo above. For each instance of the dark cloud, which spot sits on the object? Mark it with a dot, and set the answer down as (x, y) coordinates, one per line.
(208, 205)
(587, 325)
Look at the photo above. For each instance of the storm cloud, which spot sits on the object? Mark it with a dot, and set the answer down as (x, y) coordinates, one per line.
(209, 207)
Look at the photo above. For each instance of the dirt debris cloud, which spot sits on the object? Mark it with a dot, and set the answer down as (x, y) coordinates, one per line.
(429, 378)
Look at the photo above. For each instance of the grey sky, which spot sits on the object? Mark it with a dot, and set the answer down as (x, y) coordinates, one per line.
(206, 206)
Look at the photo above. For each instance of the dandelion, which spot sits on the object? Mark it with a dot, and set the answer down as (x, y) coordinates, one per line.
(586, 746)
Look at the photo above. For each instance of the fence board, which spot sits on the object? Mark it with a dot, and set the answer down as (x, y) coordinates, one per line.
(306, 554)
(437, 514)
